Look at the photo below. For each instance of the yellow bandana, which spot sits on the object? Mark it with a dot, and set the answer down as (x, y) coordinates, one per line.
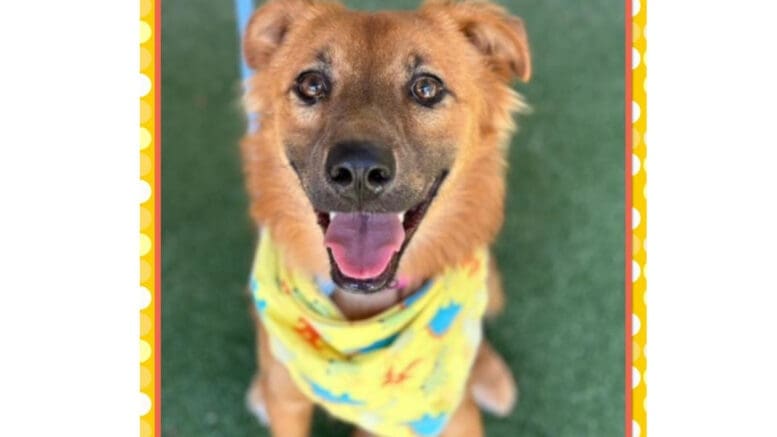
(400, 373)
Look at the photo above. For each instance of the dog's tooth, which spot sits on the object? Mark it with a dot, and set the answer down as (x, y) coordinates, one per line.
(332, 215)
(401, 216)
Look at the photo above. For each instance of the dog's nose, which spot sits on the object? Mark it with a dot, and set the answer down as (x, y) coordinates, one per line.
(360, 170)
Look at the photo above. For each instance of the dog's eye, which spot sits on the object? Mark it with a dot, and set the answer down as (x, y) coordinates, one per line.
(427, 90)
(312, 86)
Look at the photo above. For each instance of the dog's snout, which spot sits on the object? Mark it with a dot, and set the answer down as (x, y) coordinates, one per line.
(360, 170)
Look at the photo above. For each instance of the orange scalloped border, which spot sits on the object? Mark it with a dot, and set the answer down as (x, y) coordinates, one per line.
(149, 218)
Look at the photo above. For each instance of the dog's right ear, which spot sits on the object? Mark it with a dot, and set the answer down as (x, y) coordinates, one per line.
(269, 26)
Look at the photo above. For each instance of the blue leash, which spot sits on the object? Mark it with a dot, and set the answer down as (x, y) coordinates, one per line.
(243, 11)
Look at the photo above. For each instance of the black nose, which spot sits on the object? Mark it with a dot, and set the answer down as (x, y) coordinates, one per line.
(360, 170)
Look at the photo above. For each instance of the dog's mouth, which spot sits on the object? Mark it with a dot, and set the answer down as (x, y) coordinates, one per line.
(365, 248)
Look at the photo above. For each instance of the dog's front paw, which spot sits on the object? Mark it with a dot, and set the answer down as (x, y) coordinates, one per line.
(492, 385)
(255, 401)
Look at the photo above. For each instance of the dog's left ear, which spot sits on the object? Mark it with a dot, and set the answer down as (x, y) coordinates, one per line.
(497, 35)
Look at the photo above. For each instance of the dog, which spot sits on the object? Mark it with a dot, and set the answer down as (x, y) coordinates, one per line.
(377, 180)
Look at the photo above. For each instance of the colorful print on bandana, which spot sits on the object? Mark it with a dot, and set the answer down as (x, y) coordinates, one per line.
(400, 373)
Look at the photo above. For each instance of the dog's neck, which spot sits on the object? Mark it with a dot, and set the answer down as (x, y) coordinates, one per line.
(363, 306)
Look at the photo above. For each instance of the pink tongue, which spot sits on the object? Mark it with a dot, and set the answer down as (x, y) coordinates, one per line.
(363, 244)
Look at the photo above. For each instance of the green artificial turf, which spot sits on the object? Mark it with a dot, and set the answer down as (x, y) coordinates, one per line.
(561, 250)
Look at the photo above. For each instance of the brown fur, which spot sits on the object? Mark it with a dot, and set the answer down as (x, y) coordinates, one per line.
(475, 46)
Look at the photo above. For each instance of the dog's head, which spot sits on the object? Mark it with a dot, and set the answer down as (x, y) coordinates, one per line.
(381, 148)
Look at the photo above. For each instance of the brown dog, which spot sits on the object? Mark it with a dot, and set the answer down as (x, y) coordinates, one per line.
(399, 115)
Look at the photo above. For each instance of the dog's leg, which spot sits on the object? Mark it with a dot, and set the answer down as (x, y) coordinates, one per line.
(358, 432)
(273, 396)
(492, 385)
(496, 296)
(255, 400)
(466, 421)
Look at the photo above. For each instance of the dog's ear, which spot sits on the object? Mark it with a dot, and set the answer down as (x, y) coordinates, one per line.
(268, 28)
(497, 35)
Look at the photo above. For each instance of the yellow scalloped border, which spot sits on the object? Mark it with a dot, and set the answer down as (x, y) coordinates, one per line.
(149, 219)
(638, 215)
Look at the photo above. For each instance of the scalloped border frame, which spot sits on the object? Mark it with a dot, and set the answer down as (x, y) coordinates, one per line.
(636, 218)
(150, 218)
